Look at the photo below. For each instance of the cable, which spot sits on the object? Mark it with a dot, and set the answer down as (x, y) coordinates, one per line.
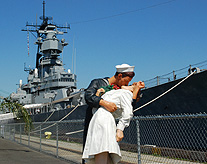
(124, 13)
(5, 92)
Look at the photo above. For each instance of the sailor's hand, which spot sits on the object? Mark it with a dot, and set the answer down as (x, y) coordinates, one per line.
(100, 92)
(119, 135)
(110, 106)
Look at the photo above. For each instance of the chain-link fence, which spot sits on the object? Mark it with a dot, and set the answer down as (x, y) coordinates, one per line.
(152, 139)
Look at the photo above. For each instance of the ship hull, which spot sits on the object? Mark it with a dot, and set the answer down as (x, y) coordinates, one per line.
(188, 97)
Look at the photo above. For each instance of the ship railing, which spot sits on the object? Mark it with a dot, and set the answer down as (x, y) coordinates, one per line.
(175, 75)
(169, 139)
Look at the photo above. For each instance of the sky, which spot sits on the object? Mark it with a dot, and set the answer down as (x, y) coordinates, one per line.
(155, 36)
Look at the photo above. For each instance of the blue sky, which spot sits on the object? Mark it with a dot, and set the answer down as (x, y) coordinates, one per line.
(155, 38)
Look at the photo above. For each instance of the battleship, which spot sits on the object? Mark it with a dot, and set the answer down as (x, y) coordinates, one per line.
(48, 81)
(51, 89)
(51, 93)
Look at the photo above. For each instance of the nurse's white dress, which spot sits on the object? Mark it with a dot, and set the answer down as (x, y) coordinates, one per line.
(101, 136)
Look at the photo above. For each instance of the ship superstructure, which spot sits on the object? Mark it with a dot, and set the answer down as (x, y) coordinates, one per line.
(48, 81)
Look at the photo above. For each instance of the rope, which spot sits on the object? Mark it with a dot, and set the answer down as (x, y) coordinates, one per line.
(74, 132)
(45, 120)
(165, 92)
(59, 120)
(48, 117)
(56, 102)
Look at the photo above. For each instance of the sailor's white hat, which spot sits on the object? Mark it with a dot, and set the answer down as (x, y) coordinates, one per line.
(124, 68)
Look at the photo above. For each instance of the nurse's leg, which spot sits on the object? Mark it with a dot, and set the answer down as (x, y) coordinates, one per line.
(102, 158)
(109, 161)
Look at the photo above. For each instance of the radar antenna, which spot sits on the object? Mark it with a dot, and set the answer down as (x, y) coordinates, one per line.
(43, 17)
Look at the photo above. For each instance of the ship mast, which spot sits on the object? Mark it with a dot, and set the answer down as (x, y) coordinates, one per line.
(43, 31)
(43, 10)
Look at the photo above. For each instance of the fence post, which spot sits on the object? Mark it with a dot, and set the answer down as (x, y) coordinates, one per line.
(14, 133)
(29, 136)
(2, 131)
(40, 139)
(20, 130)
(57, 139)
(9, 132)
(138, 142)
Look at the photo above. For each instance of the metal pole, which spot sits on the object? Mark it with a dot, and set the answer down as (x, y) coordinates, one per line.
(158, 82)
(138, 142)
(29, 136)
(57, 139)
(2, 131)
(20, 130)
(174, 76)
(190, 70)
(14, 133)
(40, 139)
(9, 132)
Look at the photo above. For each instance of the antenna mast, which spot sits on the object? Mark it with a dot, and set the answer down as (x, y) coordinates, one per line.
(28, 40)
(43, 10)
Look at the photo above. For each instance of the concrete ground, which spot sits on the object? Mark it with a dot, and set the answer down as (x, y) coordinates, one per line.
(14, 153)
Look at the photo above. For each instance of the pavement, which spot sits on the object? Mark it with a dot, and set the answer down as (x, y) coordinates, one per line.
(14, 153)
